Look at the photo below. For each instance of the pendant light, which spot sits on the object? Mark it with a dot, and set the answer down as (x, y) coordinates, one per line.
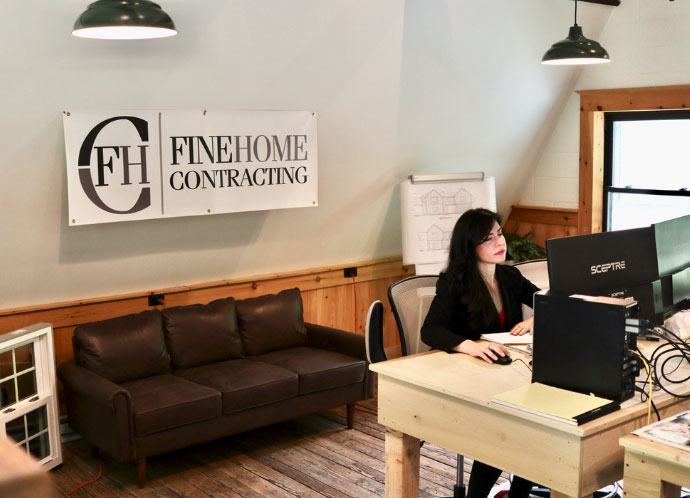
(124, 20)
(575, 49)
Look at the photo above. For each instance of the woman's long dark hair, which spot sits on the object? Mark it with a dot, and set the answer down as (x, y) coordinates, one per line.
(463, 269)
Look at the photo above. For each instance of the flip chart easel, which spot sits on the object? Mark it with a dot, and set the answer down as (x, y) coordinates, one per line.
(430, 206)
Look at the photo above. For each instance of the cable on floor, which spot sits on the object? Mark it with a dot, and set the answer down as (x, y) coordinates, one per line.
(100, 473)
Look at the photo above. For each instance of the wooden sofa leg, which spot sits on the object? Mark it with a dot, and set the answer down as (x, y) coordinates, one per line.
(93, 451)
(350, 415)
(141, 472)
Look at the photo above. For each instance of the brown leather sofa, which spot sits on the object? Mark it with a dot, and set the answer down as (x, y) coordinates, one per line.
(157, 381)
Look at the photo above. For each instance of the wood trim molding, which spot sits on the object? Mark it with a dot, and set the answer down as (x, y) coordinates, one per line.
(547, 215)
(544, 222)
(328, 298)
(72, 313)
(593, 105)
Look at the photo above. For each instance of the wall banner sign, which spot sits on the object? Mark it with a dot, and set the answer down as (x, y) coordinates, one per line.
(137, 165)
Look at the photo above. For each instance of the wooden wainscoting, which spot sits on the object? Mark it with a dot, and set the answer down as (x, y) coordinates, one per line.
(545, 222)
(329, 299)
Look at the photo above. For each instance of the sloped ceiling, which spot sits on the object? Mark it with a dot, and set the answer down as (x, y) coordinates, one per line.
(399, 87)
(471, 78)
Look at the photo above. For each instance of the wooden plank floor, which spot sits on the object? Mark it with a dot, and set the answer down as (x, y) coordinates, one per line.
(312, 456)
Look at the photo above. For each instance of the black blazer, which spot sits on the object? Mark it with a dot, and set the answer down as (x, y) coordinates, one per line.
(447, 324)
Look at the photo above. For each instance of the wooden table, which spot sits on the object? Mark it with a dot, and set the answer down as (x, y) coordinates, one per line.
(653, 469)
(445, 399)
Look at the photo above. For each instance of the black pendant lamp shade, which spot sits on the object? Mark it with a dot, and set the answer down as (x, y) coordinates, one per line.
(124, 20)
(575, 49)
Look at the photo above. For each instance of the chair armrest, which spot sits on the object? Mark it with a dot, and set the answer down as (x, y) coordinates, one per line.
(98, 409)
(336, 340)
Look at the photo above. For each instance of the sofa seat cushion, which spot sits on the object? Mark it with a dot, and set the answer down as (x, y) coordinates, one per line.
(318, 369)
(244, 383)
(166, 401)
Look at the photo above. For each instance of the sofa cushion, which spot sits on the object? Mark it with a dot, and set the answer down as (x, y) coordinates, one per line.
(245, 384)
(123, 348)
(202, 333)
(166, 401)
(318, 369)
(272, 322)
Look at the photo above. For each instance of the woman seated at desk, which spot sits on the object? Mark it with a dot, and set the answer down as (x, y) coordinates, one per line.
(476, 295)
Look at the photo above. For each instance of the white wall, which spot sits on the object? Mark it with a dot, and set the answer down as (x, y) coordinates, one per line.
(399, 86)
(649, 45)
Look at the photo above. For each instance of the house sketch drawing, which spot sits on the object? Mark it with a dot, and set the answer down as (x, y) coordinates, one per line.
(430, 210)
(435, 202)
(434, 239)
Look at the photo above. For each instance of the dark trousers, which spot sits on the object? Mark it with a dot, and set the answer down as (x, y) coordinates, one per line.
(483, 477)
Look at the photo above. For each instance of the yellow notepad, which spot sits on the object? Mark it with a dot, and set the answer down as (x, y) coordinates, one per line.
(559, 404)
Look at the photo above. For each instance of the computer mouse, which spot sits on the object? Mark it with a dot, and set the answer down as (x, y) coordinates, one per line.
(503, 360)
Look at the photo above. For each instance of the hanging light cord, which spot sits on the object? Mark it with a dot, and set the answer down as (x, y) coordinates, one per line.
(575, 12)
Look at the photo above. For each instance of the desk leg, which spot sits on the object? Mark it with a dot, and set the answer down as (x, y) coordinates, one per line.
(643, 480)
(402, 465)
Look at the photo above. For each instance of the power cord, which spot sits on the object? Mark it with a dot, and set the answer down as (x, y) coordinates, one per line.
(523, 362)
(675, 350)
(354, 292)
(647, 369)
(644, 397)
(100, 473)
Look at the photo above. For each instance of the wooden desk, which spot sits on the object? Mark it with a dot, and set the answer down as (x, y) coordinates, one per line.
(654, 470)
(445, 399)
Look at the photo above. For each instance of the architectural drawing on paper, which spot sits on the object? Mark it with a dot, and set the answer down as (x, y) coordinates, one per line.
(434, 239)
(437, 202)
(430, 210)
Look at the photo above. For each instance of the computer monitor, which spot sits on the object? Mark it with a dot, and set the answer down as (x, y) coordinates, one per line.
(680, 285)
(672, 239)
(618, 264)
(601, 263)
(640, 263)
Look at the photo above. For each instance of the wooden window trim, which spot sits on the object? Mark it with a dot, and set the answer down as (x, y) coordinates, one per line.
(593, 105)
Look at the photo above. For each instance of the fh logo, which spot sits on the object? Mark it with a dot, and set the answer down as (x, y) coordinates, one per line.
(107, 157)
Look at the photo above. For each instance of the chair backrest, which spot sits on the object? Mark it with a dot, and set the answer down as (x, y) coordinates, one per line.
(537, 272)
(410, 299)
(373, 333)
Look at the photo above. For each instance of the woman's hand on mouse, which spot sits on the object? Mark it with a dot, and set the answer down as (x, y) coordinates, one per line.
(487, 351)
(523, 328)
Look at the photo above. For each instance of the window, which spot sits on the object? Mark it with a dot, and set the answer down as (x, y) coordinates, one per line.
(646, 167)
(28, 399)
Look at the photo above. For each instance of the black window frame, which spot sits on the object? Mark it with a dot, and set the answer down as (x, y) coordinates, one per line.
(609, 119)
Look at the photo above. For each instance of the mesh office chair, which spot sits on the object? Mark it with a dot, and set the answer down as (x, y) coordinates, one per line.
(410, 299)
(373, 333)
(537, 272)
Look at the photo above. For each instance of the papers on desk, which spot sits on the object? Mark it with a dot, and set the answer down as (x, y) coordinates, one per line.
(558, 404)
(520, 342)
(674, 431)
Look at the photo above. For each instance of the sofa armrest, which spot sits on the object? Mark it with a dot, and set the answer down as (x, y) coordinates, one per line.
(343, 342)
(98, 409)
(336, 340)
